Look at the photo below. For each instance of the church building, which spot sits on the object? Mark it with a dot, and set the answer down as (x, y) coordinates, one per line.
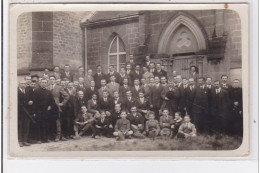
(207, 39)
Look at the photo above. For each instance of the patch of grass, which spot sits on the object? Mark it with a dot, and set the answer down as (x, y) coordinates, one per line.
(201, 142)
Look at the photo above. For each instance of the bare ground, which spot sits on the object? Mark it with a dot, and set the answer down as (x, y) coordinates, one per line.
(87, 143)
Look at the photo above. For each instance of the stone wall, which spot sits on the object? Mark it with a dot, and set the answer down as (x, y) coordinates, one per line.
(150, 26)
(24, 42)
(98, 41)
(67, 38)
(68, 41)
(57, 40)
(42, 39)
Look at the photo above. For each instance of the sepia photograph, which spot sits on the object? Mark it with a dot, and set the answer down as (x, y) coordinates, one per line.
(134, 79)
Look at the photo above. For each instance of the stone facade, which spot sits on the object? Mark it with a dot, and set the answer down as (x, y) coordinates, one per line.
(144, 35)
(42, 39)
(67, 38)
(24, 42)
(56, 37)
(78, 40)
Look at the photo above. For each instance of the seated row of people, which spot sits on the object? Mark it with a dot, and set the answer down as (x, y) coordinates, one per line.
(125, 125)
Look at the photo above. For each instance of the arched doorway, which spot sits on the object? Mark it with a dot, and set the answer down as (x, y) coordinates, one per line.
(185, 42)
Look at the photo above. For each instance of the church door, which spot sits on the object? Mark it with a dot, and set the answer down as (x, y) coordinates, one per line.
(182, 64)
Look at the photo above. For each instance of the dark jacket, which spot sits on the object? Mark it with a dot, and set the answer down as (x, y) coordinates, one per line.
(98, 78)
(201, 102)
(106, 105)
(44, 99)
(135, 120)
(220, 103)
(156, 99)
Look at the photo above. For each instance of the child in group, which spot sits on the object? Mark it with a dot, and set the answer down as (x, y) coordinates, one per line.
(102, 125)
(122, 127)
(83, 122)
(177, 121)
(152, 127)
(187, 129)
(166, 124)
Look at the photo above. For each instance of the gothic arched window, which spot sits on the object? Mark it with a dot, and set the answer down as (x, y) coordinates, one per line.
(116, 53)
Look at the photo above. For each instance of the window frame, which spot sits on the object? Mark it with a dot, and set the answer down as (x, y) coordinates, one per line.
(117, 53)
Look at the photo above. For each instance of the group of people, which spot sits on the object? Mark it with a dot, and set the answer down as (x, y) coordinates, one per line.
(140, 101)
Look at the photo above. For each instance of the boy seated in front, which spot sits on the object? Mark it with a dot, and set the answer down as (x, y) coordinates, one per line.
(177, 121)
(152, 127)
(122, 127)
(166, 124)
(102, 125)
(83, 122)
(187, 129)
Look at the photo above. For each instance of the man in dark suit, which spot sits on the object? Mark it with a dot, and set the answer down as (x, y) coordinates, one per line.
(99, 76)
(143, 105)
(46, 108)
(32, 108)
(112, 72)
(61, 98)
(220, 107)
(123, 75)
(136, 88)
(147, 61)
(56, 72)
(200, 106)
(152, 68)
(80, 101)
(93, 105)
(102, 88)
(236, 94)
(156, 100)
(136, 74)
(23, 119)
(67, 73)
(81, 86)
(131, 61)
(159, 72)
(170, 96)
(191, 92)
(236, 102)
(224, 84)
(209, 83)
(106, 103)
(183, 94)
(28, 80)
(129, 101)
(115, 114)
(128, 69)
(90, 90)
(137, 122)
(66, 116)
(117, 99)
(71, 105)
(123, 89)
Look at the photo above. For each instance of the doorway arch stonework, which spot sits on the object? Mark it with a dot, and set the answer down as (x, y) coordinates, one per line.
(182, 38)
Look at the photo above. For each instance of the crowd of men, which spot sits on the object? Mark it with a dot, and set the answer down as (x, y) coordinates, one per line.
(139, 101)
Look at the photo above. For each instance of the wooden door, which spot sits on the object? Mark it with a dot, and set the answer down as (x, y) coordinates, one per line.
(182, 65)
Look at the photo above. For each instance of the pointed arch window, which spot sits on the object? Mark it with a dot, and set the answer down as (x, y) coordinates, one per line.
(117, 53)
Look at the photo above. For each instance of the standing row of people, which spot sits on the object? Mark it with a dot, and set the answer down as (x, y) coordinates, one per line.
(51, 103)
